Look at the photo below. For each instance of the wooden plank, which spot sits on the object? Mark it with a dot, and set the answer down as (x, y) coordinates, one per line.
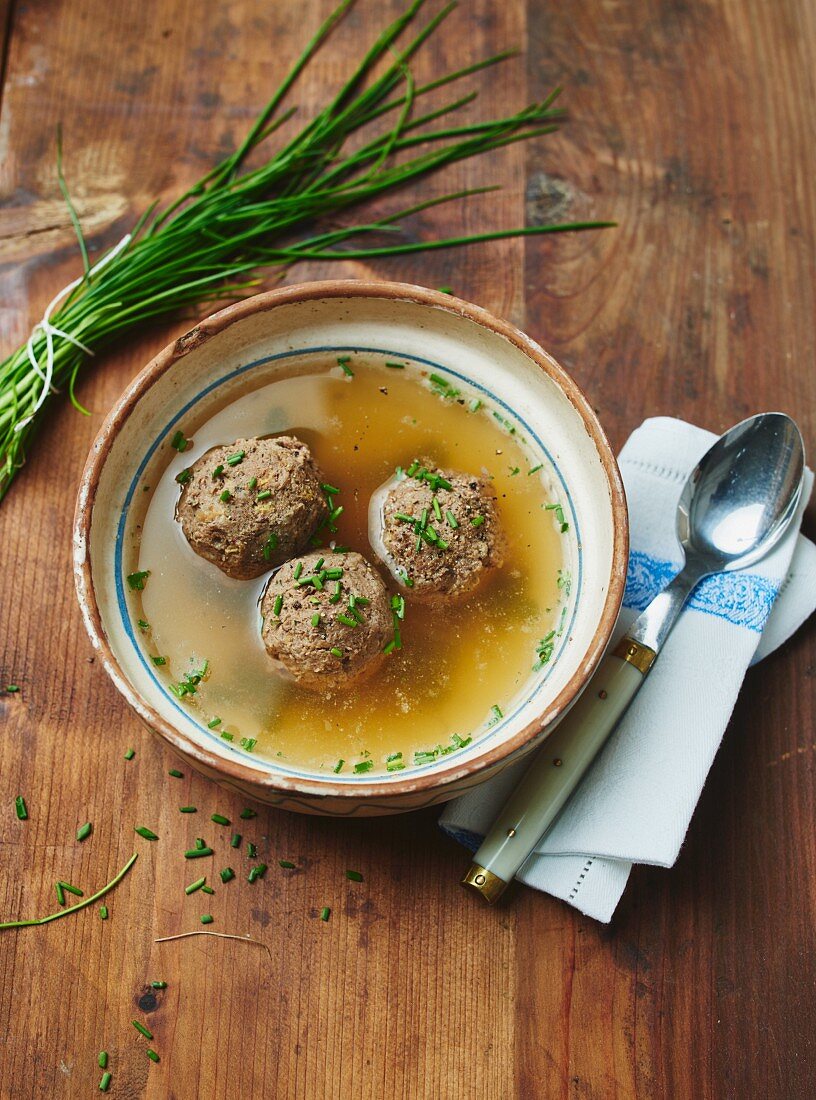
(699, 304)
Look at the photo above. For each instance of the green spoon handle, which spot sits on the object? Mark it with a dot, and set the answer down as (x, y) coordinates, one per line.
(558, 769)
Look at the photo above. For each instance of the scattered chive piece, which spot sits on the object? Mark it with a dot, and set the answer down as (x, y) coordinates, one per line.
(346, 620)
(105, 1082)
(207, 918)
(329, 489)
(103, 912)
(227, 874)
(270, 545)
(235, 840)
(335, 596)
(176, 774)
(75, 890)
(226, 496)
(316, 619)
(178, 442)
(257, 872)
(60, 893)
(217, 472)
(207, 890)
(355, 876)
(265, 494)
(535, 469)
(158, 660)
(252, 850)
(477, 521)
(148, 834)
(136, 581)
(219, 819)
(286, 864)
(84, 831)
(249, 743)
(148, 1034)
(325, 912)
(227, 736)
(200, 842)
(199, 882)
(253, 481)
(159, 985)
(21, 808)
(395, 766)
(335, 652)
(276, 607)
(396, 366)
(497, 713)
(343, 363)
(233, 460)
(451, 518)
(130, 754)
(213, 722)
(188, 809)
(102, 1060)
(436, 508)
(152, 1055)
(298, 570)
(338, 767)
(184, 476)
(143, 626)
(390, 646)
(196, 853)
(363, 766)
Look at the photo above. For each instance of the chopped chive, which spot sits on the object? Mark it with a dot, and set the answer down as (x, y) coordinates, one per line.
(451, 518)
(226, 496)
(340, 549)
(148, 834)
(199, 882)
(158, 660)
(424, 757)
(316, 619)
(477, 521)
(159, 985)
(298, 570)
(436, 508)
(329, 489)
(75, 890)
(188, 809)
(253, 481)
(336, 595)
(60, 893)
(346, 620)
(103, 912)
(270, 545)
(325, 912)
(184, 476)
(343, 363)
(395, 766)
(235, 840)
(363, 766)
(148, 1034)
(143, 626)
(219, 819)
(152, 1055)
(20, 808)
(176, 774)
(335, 652)
(445, 289)
(248, 743)
(335, 573)
(252, 850)
(355, 876)
(390, 647)
(226, 874)
(265, 494)
(338, 767)
(84, 831)
(233, 460)
(200, 842)
(336, 513)
(535, 469)
(286, 864)
(227, 736)
(179, 443)
(207, 918)
(217, 472)
(257, 872)
(246, 814)
(276, 607)
(207, 890)
(136, 581)
(130, 754)
(196, 853)
(213, 722)
(104, 1084)
(102, 1059)
(393, 756)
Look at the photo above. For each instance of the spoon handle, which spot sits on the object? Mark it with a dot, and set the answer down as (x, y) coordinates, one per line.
(558, 769)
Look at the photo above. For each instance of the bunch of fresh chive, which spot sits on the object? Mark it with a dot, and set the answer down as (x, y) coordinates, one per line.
(235, 220)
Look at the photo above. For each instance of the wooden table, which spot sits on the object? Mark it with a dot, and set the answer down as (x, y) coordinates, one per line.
(692, 125)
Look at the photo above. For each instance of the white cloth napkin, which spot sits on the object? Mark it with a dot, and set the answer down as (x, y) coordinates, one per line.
(636, 802)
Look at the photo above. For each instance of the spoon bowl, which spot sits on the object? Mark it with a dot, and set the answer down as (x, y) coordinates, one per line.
(738, 501)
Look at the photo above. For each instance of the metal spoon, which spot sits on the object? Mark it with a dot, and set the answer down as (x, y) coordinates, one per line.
(735, 506)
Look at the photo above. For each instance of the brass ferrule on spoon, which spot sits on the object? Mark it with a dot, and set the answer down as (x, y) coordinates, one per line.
(735, 506)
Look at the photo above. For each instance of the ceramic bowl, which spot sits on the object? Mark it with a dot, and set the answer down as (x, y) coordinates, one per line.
(515, 377)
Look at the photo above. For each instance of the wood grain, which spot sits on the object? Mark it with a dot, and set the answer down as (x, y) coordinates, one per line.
(691, 124)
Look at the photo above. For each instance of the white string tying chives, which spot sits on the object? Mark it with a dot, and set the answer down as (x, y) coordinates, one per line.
(50, 330)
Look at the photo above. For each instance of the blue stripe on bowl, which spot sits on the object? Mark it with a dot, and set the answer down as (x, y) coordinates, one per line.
(486, 738)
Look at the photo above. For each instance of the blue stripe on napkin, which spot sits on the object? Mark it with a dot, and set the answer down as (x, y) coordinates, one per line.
(744, 599)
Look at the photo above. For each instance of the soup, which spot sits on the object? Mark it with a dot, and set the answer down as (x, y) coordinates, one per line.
(455, 667)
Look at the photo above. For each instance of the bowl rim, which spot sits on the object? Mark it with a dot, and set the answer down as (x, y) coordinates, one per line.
(234, 770)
